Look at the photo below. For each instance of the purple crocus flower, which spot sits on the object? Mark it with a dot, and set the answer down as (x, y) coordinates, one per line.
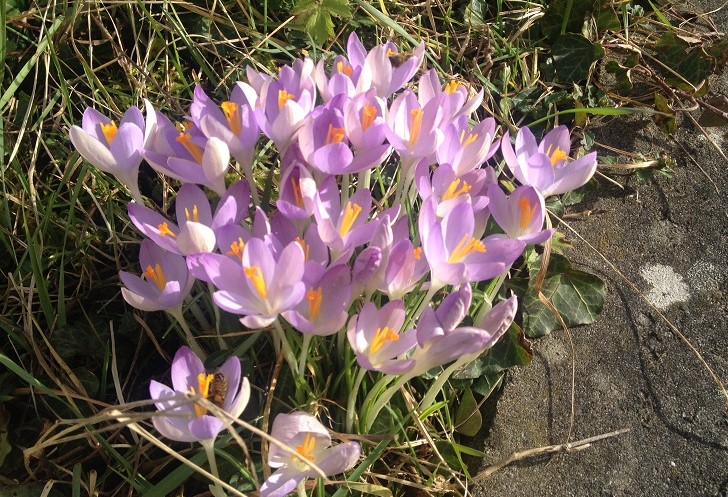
(441, 341)
(465, 149)
(454, 254)
(449, 190)
(262, 287)
(413, 130)
(115, 150)
(457, 101)
(323, 311)
(186, 154)
(196, 230)
(404, 268)
(166, 280)
(348, 76)
(311, 443)
(184, 421)
(374, 335)
(297, 188)
(546, 166)
(391, 70)
(233, 121)
(521, 214)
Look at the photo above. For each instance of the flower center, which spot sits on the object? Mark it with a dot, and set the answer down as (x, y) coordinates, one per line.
(382, 336)
(451, 87)
(467, 140)
(304, 246)
(343, 67)
(557, 155)
(156, 275)
(164, 230)
(351, 212)
(297, 197)
(305, 450)
(236, 249)
(232, 114)
(314, 297)
(453, 190)
(255, 275)
(283, 97)
(526, 210)
(109, 130)
(185, 139)
(195, 217)
(368, 113)
(203, 388)
(335, 135)
(467, 245)
(415, 125)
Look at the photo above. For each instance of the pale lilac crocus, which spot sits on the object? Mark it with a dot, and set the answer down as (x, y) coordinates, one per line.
(546, 166)
(405, 267)
(449, 190)
(297, 188)
(375, 336)
(466, 149)
(323, 311)
(457, 100)
(196, 230)
(260, 287)
(186, 154)
(454, 254)
(364, 124)
(116, 150)
(412, 129)
(521, 214)
(165, 281)
(180, 419)
(309, 443)
(391, 70)
(348, 76)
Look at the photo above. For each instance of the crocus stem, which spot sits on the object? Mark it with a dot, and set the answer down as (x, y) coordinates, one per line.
(209, 446)
(428, 297)
(191, 341)
(304, 353)
(437, 385)
(248, 170)
(344, 189)
(351, 404)
(220, 342)
(301, 488)
(364, 179)
(490, 295)
(199, 316)
(287, 351)
(383, 399)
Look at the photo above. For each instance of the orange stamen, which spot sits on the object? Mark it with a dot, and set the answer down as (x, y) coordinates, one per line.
(417, 252)
(335, 135)
(314, 297)
(109, 130)
(305, 246)
(557, 156)
(203, 385)
(255, 276)
(236, 248)
(185, 139)
(382, 336)
(465, 141)
(342, 67)
(415, 125)
(232, 114)
(195, 216)
(453, 190)
(368, 114)
(351, 212)
(305, 450)
(466, 246)
(527, 211)
(283, 97)
(164, 230)
(156, 275)
(297, 197)
(451, 87)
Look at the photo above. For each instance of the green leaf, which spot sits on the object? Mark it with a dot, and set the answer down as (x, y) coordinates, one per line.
(606, 18)
(666, 120)
(320, 26)
(511, 350)
(315, 17)
(622, 74)
(692, 64)
(5, 446)
(578, 297)
(564, 16)
(573, 56)
(468, 419)
(369, 488)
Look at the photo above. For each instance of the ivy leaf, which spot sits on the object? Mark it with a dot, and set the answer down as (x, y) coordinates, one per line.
(564, 16)
(665, 121)
(692, 64)
(468, 419)
(622, 74)
(578, 297)
(573, 56)
(315, 17)
(513, 349)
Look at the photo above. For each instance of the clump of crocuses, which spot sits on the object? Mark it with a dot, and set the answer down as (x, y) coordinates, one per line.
(336, 259)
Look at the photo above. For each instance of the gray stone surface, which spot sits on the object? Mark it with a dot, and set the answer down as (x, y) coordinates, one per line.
(669, 237)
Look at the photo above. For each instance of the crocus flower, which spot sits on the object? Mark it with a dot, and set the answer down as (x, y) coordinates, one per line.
(404, 268)
(448, 189)
(521, 214)
(311, 443)
(166, 280)
(457, 101)
(261, 287)
(412, 129)
(349, 76)
(440, 343)
(297, 188)
(546, 166)
(184, 421)
(390, 69)
(455, 255)
(374, 335)
(465, 149)
(186, 154)
(115, 149)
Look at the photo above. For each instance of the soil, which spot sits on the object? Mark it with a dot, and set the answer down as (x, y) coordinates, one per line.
(669, 237)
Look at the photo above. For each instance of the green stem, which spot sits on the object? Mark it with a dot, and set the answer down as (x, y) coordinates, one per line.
(301, 488)
(371, 415)
(287, 351)
(344, 189)
(209, 446)
(191, 341)
(304, 353)
(248, 170)
(351, 404)
(437, 385)
(364, 179)
(220, 342)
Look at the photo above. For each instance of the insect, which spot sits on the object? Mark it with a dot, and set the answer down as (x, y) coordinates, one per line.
(218, 389)
(398, 58)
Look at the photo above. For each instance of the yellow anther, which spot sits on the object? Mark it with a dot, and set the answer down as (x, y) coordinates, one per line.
(382, 336)
(297, 197)
(236, 248)
(305, 450)
(203, 385)
(351, 212)
(527, 211)
(283, 97)
(368, 114)
(195, 216)
(466, 246)
(314, 297)
(557, 155)
(467, 140)
(232, 114)
(156, 276)
(304, 246)
(415, 125)
(255, 276)
(451, 87)
(343, 67)
(185, 139)
(453, 191)
(164, 230)
(335, 135)
(417, 252)
(109, 130)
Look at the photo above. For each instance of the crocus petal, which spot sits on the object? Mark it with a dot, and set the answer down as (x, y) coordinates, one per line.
(206, 427)
(186, 366)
